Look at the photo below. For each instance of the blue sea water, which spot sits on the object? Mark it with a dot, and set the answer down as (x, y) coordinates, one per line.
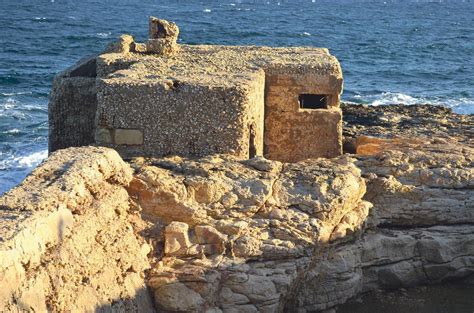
(391, 51)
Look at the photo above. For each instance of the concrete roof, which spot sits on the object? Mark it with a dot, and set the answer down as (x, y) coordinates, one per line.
(214, 65)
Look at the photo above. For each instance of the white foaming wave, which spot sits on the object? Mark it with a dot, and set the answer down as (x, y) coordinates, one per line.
(8, 94)
(394, 98)
(207, 10)
(9, 104)
(461, 105)
(103, 35)
(25, 161)
(33, 159)
(31, 107)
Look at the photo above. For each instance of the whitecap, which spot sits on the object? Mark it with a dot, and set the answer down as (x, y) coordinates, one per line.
(34, 107)
(32, 159)
(15, 93)
(9, 104)
(23, 162)
(12, 131)
(207, 10)
(103, 35)
(394, 98)
(460, 105)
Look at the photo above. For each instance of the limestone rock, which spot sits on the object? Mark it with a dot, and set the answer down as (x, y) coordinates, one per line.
(176, 239)
(427, 184)
(176, 296)
(222, 213)
(86, 232)
(309, 235)
(67, 241)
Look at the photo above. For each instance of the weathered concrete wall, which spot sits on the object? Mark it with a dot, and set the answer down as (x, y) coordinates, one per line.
(210, 73)
(196, 101)
(296, 136)
(156, 119)
(72, 106)
(293, 134)
(256, 116)
(66, 238)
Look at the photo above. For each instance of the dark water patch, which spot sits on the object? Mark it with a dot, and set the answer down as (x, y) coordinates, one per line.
(452, 298)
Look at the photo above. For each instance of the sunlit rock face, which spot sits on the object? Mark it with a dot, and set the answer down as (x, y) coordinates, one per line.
(87, 231)
(67, 241)
(239, 234)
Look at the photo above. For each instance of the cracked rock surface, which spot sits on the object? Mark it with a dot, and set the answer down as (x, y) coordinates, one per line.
(240, 234)
(87, 231)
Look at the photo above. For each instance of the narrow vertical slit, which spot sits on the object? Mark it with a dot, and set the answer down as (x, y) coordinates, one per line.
(252, 143)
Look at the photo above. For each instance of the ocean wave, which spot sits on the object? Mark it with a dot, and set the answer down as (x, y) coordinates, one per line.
(460, 105)
(103, 35)
(9, 104)
(25, 161)
(9, 94)
(33, 159)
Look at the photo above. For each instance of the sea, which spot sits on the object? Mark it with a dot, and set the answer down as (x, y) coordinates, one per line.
(409, 52)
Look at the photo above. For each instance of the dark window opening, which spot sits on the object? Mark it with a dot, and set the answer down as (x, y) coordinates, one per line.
(310, 101)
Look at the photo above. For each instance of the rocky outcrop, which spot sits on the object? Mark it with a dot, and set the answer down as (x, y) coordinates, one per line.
(420, 180)
(240, 235)
(409, 121)
(421, 225)
(87, 231)
(67, 243)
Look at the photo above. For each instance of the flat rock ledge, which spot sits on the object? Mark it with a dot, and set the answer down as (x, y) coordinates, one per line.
(87, 231)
